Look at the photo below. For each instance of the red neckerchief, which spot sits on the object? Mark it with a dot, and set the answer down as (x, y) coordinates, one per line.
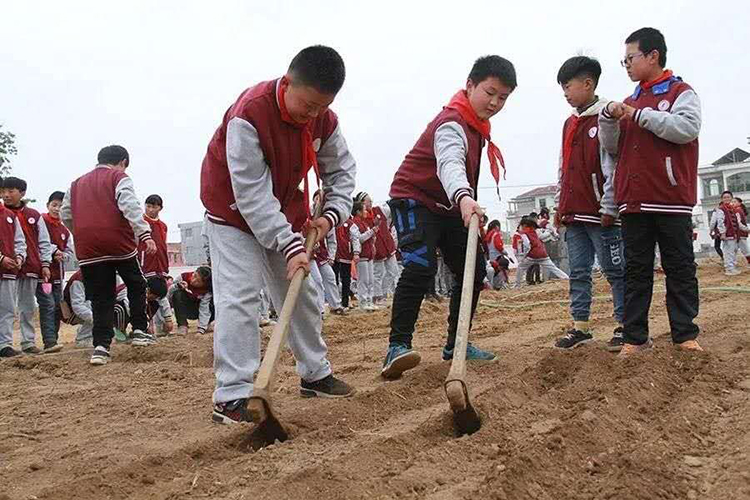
(309, 156)
(24, 223)
(568, 142)
(51, 220)
(663, 78)
(460, 102)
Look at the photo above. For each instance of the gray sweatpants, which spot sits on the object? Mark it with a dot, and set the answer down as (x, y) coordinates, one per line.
(546, 264)
(7, 311)
(365, 281)
(26, 296)
(240, 267)
(729, 247)
(386, 276)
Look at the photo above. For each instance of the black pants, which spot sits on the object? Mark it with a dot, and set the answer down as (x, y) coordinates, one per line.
(420, 233)
(534, 275)
(187, 307)
(717, 247)
(100, 282)
(674, 233)
(343, 272)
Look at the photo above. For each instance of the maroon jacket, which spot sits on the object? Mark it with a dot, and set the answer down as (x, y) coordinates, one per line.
(538, 250)
(281, 144)
(158, 263)
(7, 239)
(367, 251)
(653, 174)
(59, 235)
(343, 242)
(417, 178)
(730, 222)
(384, 244)
(743, 219)
(30, 219)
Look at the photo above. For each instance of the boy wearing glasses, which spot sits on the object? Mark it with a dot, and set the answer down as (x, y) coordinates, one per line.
(654, 134)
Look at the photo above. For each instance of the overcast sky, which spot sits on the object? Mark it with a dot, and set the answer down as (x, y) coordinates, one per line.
(157, 77)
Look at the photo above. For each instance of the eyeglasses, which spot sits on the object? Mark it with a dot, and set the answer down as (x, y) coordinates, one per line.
(629, 59)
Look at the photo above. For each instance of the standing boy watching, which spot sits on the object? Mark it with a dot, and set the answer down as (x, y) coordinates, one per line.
(157, 264)
(36, 267)
(12, 256)
(260, 155)
(433, 196)
(106, 218)
(586, 203)
(654, 134)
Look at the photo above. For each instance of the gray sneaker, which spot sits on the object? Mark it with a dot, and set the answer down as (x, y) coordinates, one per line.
(142, 339)
(100, 356)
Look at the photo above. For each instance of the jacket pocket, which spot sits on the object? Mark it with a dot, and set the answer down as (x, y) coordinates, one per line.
(670, 171)
(595, 185)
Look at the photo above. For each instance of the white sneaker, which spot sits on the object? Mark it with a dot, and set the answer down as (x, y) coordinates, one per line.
(733, 273)
(100, 356)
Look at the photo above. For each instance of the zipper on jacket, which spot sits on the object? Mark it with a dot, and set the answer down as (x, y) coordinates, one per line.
(670, 172)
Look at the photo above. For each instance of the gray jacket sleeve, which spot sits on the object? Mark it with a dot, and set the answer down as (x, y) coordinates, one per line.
(608, 206)
(19, 241)
(609, 131)
(45, 245)
(720, 222)
(331, 244)
(253, 191)
(742, 226)
(131, 208)
(204, 312)
(165, 308)
(78, 303)
(357, 237)
(680, 125)
(66, 214)
(337, 174)
(450, 152)
(70, 249)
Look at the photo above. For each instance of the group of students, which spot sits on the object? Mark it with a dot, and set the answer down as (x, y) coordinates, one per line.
(628, 174)
(34, 250)
(729, 230)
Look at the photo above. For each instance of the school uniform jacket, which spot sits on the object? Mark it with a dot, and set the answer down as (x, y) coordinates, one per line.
(105, 216)
(252, 173)
(528, 245)
(385, 245)
(344, 242)
(62, 243)
(12, 240)
(38, 247)
(362, 238)
(726, 222)
(657, 150)
(585, 186)
(495, 245)
(201, 295)
(442, 167)
(156, 264)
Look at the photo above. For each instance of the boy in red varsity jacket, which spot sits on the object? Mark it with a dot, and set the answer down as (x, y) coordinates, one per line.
(35, 272)
(741, 212)
(384, 265)
(586, 203)
(106, 218)
(63, 250)
(157, 264)
(725, 221)
(191, 297)
(344, 257)
(255, 189)
(321, 270)
(654, 135)
(12, 257)
(530, 251)
(362, 235)
(433, 196)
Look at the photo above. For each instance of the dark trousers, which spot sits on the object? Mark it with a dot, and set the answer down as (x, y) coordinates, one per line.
(420, 234)
(100, 282)
(717, 247)
(343, 272)
(47, 313)
(534, 275)
(187, 307)
(674, 233)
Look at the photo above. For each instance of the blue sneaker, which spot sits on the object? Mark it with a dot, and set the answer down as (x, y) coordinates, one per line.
(399, 359)
(472, 354)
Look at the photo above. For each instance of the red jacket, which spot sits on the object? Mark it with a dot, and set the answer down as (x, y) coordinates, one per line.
(100, 230)
(536, 247)
(655, 175)
(743, 219)
(7, 239)
(320, 253)
(59, 235)
(494, 241)
(281, 144)
(417, 178)
(343, 243)
(368, 247)
(384, 244)
(730, 221)
(195, 293)
(158, 263)
(29, 219)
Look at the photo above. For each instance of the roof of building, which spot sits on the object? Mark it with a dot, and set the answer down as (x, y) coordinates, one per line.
(536, 192)
(736, 155)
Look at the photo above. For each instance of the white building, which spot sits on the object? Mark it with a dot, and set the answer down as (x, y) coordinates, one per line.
(530, 201)
(193, 249)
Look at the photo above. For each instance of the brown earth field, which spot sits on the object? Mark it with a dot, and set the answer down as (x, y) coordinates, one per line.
(555, 425)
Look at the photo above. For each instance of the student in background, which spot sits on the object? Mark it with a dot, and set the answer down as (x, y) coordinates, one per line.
(191, 297)
(12, 257)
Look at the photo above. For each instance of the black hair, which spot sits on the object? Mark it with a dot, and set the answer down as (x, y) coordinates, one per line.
(112, 155)
(489, 66)
(727, 192)
(361, 196)
(319, 67)
(579, 67)
(155, 199)
(494, 224)
(528, 222)
(15, 183)
(544, 211)
(742, 204)
(158, 286)
(532, 215)
(205, 273)
(56, 196)
(357, 206)
(649, 40)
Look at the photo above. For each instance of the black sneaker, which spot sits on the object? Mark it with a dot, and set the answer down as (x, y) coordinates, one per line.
(141, 339)
(8, 352)
(53, 348)
(100, 356)
(329, 387)
(32, 350)
(574, 338)
(616, 342)
(231, 412)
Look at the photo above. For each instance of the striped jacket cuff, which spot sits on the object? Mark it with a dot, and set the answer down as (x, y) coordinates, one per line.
(145, 236)
(293, 249)
(460, 194)
(637, 116)
(605, 112)
(332, 217)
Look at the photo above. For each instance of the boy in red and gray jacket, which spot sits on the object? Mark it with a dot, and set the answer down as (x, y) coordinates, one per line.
(106, 218)
(530, 251)
(433, 197)
(12, 257)
(255, 190)
(654, 135)
(156, 265)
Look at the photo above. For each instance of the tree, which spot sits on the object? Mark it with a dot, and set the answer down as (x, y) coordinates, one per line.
(7, 149)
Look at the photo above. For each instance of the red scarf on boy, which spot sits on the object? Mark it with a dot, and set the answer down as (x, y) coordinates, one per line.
(460, 102)
(309, 156)
(663, 78)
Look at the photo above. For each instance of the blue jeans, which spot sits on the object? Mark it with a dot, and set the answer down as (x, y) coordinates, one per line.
(584, 241)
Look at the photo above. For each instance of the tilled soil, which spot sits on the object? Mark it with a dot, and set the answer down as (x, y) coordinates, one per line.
(556, 425)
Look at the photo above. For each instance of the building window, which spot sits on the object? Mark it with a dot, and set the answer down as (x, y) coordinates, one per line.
(713, 187)
(542, 203)
(189, 232)
(739, 183)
